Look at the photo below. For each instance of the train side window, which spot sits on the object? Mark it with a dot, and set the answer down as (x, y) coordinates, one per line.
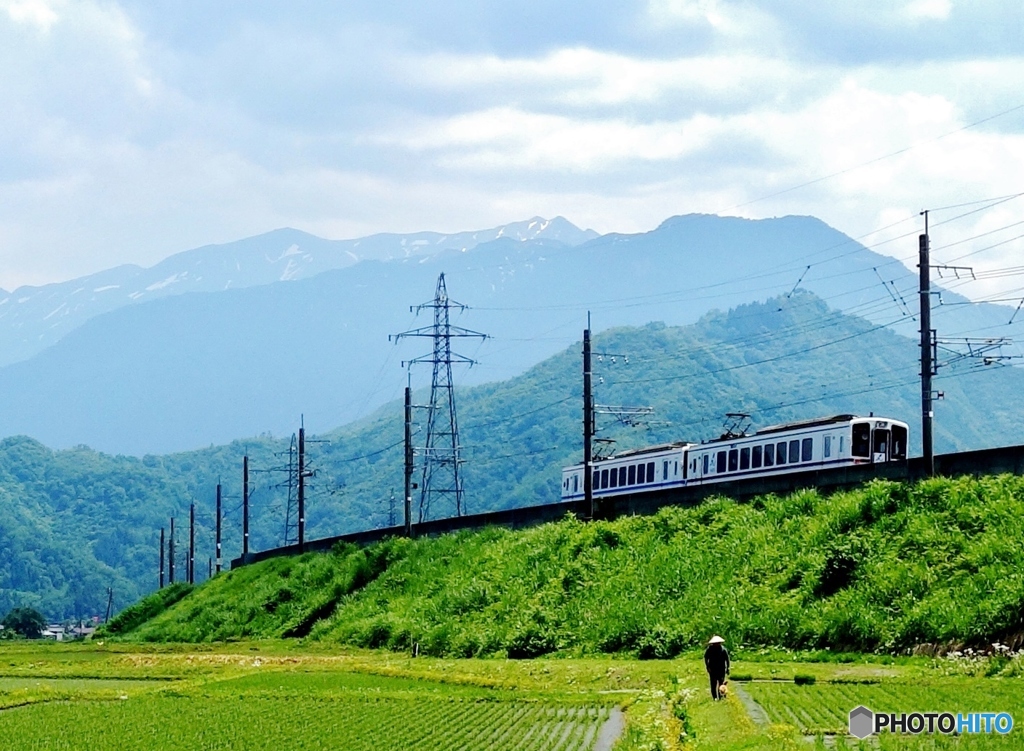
(769, 455)
(575, 483)
(613, 481)
(745, 458)
(604, 479)
(794, 451)
(650, 471)
(720, 469)
(664, 470)
(631, 477)
(733, 460)
(807, 449)
(780, 453)
(842, 444)
(755, 457)
(622, 477)
(861, 440)
(828, 447)
(706, 458)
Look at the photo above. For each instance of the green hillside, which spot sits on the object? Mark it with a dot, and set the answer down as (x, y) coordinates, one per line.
(886, 567)
(77, 521)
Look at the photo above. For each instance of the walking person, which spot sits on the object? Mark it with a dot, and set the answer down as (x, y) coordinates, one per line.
(716, 661)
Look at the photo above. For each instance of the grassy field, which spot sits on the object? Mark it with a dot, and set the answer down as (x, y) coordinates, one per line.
(287, 695)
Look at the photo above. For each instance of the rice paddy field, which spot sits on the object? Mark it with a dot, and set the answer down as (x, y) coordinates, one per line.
(289, 695)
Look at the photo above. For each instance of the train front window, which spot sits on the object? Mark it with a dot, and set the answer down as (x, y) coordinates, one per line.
(882, 444)
(631, 477)
(861, 440)
(807, 449)
(899, 443)
(745, 458)
(755, 457)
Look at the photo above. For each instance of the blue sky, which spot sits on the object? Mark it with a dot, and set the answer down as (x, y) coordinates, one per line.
(135, 129)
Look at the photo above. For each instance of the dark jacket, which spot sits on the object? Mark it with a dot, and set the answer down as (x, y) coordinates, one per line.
(716, 659)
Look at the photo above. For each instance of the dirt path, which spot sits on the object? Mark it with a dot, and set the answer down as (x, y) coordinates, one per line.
(756, 712)
(610, 730)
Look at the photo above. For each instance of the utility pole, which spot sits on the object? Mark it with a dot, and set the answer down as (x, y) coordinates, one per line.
(209, 570)
(110, 604)
(218, 528)
(927, 342)
(170, 554)
(192, 544)
(409, 468)
(161, 557)
(588, 422)
(245, 507)
(442, 454)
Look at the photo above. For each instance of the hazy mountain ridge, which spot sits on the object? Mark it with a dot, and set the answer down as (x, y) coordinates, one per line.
(33, 318)
(205, 367)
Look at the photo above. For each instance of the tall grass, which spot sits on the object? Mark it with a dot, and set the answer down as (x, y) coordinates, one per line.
(884, 567)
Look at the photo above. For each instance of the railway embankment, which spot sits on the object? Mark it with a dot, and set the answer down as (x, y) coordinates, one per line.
(885, 567)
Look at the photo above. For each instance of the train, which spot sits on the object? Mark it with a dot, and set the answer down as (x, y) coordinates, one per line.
(821, 443)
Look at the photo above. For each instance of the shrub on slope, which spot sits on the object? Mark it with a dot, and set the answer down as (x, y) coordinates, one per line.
(879, 568)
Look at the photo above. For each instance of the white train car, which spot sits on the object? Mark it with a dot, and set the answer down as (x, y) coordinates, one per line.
(823, 443)
(639, 471)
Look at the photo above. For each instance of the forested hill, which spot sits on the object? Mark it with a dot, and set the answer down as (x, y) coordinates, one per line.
(74, 522)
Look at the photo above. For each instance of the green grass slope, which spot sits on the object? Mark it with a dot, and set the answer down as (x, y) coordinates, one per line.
(885, 567)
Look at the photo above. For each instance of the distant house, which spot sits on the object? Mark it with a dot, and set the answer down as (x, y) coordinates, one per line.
(54, 631)
(82, 632)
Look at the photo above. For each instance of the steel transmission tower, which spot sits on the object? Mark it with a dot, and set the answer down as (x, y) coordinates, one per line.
(441, 478)
(291, 514)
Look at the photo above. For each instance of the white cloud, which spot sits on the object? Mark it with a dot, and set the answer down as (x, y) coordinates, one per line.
(115, 147)
(928, 9)
(584, 77)
(38, 13)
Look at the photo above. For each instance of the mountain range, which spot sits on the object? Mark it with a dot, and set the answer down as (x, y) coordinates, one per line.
(32, 318)
(241, 340)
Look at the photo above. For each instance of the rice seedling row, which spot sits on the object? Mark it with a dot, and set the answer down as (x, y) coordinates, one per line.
(824, 708)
